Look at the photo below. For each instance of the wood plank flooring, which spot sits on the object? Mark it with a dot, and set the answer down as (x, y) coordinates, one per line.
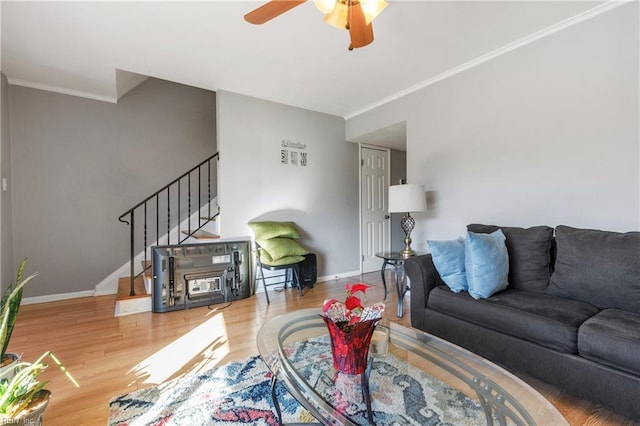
(111, 356)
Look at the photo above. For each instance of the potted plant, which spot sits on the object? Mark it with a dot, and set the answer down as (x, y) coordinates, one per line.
(9, 306)
(22, 396)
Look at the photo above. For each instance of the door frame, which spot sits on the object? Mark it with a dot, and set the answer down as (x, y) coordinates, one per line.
(360, 163)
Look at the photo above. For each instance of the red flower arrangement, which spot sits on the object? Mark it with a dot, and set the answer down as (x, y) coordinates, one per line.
(351, 324)
(353, 309)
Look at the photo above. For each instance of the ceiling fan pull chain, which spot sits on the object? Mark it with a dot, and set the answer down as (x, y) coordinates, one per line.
(348, 26)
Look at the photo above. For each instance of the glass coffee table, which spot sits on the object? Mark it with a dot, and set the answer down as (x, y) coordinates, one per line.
(413, 378)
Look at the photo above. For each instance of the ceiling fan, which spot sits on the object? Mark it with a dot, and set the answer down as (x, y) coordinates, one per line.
(356, 16)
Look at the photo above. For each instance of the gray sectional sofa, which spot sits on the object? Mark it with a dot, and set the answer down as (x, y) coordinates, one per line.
(569, 316)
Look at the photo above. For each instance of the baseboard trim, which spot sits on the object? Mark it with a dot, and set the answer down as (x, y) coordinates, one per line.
(105, 292)
(338, 276)
(326, 278)
(109, 291)
(57, 297)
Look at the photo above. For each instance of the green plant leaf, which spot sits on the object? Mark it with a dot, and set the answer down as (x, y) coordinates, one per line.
(11, 299)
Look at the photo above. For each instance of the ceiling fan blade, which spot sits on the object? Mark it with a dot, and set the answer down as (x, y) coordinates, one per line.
(270, 10)
(361, 33)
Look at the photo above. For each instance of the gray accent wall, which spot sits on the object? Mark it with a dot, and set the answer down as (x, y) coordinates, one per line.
(6, 230)
(321, 197)
(398, 171)
(546, 134)
(77, 164)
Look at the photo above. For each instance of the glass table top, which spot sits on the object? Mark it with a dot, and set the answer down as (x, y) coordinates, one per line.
(418, 378)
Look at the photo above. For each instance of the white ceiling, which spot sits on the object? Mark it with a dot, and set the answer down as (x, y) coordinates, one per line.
(295, 59)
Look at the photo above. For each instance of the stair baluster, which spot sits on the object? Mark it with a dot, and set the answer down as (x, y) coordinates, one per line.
(128, 217)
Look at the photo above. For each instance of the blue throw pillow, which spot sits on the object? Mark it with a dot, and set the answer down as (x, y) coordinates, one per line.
(448, 258)
(486, 263)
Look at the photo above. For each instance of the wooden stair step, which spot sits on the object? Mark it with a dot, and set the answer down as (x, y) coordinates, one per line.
(202, 235)
(124, 288)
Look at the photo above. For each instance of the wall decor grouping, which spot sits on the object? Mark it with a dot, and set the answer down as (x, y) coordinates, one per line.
(292, 153)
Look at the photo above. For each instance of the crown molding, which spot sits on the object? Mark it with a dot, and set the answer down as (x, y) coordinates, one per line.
(61, 90)
(552, 29)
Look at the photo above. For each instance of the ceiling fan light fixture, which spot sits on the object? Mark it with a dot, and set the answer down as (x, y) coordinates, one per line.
(325, 6)
(372, 8)
(339, 17)
(355, 16)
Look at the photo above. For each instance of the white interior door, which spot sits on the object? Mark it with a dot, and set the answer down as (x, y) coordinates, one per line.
(375, 224)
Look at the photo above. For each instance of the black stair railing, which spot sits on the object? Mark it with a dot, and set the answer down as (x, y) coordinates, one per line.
(166, 208)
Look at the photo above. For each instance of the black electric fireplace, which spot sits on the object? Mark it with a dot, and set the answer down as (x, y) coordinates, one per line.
(193, 275)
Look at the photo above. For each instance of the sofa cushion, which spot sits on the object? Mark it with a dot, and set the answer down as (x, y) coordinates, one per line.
(448, 259)
(541, 318)
(598, 267)
(486, 263)
(270, 229)
(282, 247)
(612, 337)
(266, 259)
(528, 250)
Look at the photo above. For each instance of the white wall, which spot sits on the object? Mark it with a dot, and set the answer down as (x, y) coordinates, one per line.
(545, 134)
(321, 198)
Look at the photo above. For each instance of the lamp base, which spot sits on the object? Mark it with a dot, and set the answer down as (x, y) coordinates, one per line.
(407, 253)
(407, 223)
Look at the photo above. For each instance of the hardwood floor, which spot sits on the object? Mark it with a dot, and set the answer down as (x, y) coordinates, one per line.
(110, 356)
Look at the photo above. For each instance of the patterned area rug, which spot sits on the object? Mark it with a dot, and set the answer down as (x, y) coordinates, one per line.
(239, 393)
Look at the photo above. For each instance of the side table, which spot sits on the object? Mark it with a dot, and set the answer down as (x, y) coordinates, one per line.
(395, 259)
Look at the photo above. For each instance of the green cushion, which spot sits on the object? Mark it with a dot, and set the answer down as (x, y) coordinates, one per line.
(282, 247)
(268, 230)
(267, 260)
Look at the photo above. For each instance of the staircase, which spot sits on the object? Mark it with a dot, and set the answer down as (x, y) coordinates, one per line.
(183, 211)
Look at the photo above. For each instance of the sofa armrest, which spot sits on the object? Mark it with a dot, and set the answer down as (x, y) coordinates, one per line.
(423, 277)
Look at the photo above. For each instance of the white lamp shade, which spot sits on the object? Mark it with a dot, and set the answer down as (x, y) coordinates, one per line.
(372, 8)
(339, 16)
(325, 6)
(407, 198)
(337, 11)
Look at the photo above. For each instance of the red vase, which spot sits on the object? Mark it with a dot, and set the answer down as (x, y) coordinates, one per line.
(350, 344)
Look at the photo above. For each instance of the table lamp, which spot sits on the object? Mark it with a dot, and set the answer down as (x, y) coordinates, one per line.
(406, 199)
